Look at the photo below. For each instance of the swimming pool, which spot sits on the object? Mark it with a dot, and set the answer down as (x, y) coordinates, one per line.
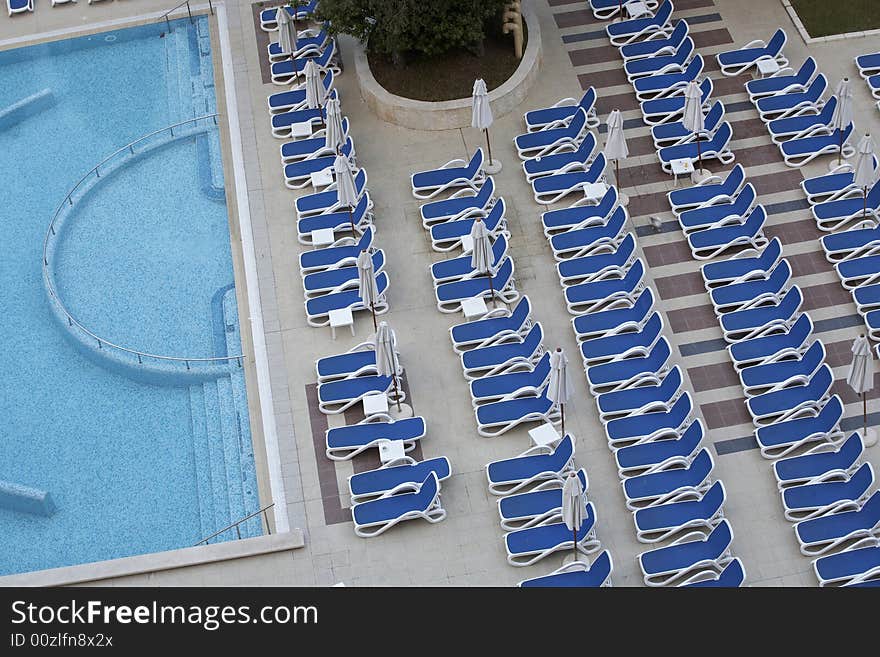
(136, 456)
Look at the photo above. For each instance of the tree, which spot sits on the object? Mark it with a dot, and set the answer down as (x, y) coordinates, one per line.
(397, 27)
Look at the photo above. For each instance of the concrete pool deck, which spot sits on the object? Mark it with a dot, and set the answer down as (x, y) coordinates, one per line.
(467, 548)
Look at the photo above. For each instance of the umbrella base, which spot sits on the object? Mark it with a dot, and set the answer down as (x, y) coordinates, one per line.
(405, 410)
(569, 558)
(833, 164)
(492, 167)
(699, 175)
(622, 199)
(870, 438)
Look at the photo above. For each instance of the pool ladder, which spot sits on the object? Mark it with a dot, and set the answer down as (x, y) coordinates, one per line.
(236, 525)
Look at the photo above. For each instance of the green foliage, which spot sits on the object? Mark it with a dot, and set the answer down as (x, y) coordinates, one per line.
(424, 26)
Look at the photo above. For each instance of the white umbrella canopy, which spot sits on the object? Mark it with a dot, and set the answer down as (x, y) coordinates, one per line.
(386, 355)
(346, 192)
(367, 289)
(843, 112)
(864, 172)
(481, 117)
(693, 119)
(861, 375)
(482, 256)
(559, 387)
(335, 136)
(286, 30)
(314, 91)
(573, 506)
(615, 146)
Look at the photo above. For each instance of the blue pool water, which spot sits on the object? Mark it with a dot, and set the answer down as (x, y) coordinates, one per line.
(143, 260)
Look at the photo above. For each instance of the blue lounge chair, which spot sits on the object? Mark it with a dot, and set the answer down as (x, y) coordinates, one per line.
(285, 101)
(523, 381)
(318, 308)
(656, 47)
(874, 85)
(561, 162)
(306, 149)
(327, 201)
(580, 216)
(357, 361)
(803, 125)
(641, 399)
(623, 345)
(552, 140)
(637, 429)
(498, 325)
(576, 574)
(858, 272)
(308, 43)
(379, 515)
(339, 222)
(539, 506)
(285, 71)
(809, 100)
(753, 291)
(715, 148)
(838, 183)
(812, 426)
(447, 236)
(683, 558)
(867, 298)
(853, 243)
(639, 29)
(268, 20)
(626, 317)
(834, 215)
(712, 242)
(344, 443)
(742, 267)
(735, 62)
(598, 265)
(733, 575)
(853, 529)
(500, 357)
(671, 108)
(18, 6)
(720, 214)
(798, 152)
(336, 396)
(344, 254)
(500, 417)
(588, 297)
(464, 203)
(581, 240)
(563, 112)
(459, 269)
(780, 405)
(708, 191)
(783, 84)
(656, 457)
(552, 188)
(396, 478)
(502, 286)
(659, 64)
(849, 567)
(780, 374)
(672, 134)
(754, 322)
(620, 374)
(868, 64)
(819, 465)
(453, 175)
(823, 497)
(298, 174)
(668, 84)
(605, 9)
(671, 480)
(786, 342)
(663, 521)
(528, 546)
(532, 467)
(338, 280)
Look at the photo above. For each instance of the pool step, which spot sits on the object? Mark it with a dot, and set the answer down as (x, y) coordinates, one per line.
(202, 456)
(217, 456)
(231, 449)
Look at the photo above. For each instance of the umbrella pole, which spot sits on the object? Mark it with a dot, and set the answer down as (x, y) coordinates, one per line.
(488, 146)
(617, 174)
(562, 410)
(492, 291)
(351, 221)
(864, 415)
(864, 202)
(840, 149)
(574, 544)
(394, 378)
(699, 155)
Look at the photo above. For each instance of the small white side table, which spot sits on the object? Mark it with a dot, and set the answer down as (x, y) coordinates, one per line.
(682, 166)
(375, 403)
(473, 307)
(322, 178)
(323, 237)
(467, 244)
(593, 192)
(767, 67)
(637, 9)
(340, 317)
(301, 129)
(391, 450)
(544, 435)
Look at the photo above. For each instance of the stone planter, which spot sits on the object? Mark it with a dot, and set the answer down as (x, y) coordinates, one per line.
(450, 114)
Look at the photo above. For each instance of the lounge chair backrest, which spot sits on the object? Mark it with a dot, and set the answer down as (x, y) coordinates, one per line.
(588, 100)
(563, 453)
(817, 88)
(706, 88)
(851, 449)
(533, 338)
(521, 312)
(684, 51)
(661, 351)
(428, 490)
(827, 111)
(745, 199)
(328, 81)
(663, 13)
(366, 239)
(475, 164)
(485, 193)
(862, 478)
(756, 219)
(598, 166)
(499, 248)
(679, 32)
(681, 409)
(821, 381)
(505, 271)
(734, 179)
(578, 121)
(714, 116)
(873, 199)
(722, 137)
(588, 145)
(607, 203)
(672, 382)
(496, 214)
(360, 180)
(634, 274)
(814, 356)
(542, 369)
(777, 42)
(702, 465)
(807, 71)
(644, 303)
(720, 538)
(714, 497)
(831, 413)
(694, 68)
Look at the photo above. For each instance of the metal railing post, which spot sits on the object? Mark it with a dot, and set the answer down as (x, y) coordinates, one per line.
(189, 12)
(211, 7)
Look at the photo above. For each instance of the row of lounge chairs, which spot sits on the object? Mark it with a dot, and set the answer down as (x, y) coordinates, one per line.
(869, 68)
(21, 6)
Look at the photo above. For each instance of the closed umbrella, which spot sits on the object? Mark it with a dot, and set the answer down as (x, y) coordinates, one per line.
(314, 89)
(693, 121)
(573, 506)
(367, 289)
(864, 173)
(335, 136)
(559, 385)
(286, 31)
(386, 356)
(345, 190)
(861, 374)
(481, 118)
(616, 148)
(482, 256)
(843, 113)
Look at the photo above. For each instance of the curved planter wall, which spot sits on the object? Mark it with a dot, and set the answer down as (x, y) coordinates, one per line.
(450, 114)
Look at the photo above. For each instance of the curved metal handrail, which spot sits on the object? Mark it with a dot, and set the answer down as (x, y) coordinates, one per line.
(68, 199)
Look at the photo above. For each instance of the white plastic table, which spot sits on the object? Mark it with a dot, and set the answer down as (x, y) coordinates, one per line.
(767, 67)
(473, 307)
(593, 192)
(340, 317)
(637, 9)
(467, 244)
(375, 403)
(681, 166)
(301, 129)
(391, 450)
(322, 178)
(544, 435)
(323, 237)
